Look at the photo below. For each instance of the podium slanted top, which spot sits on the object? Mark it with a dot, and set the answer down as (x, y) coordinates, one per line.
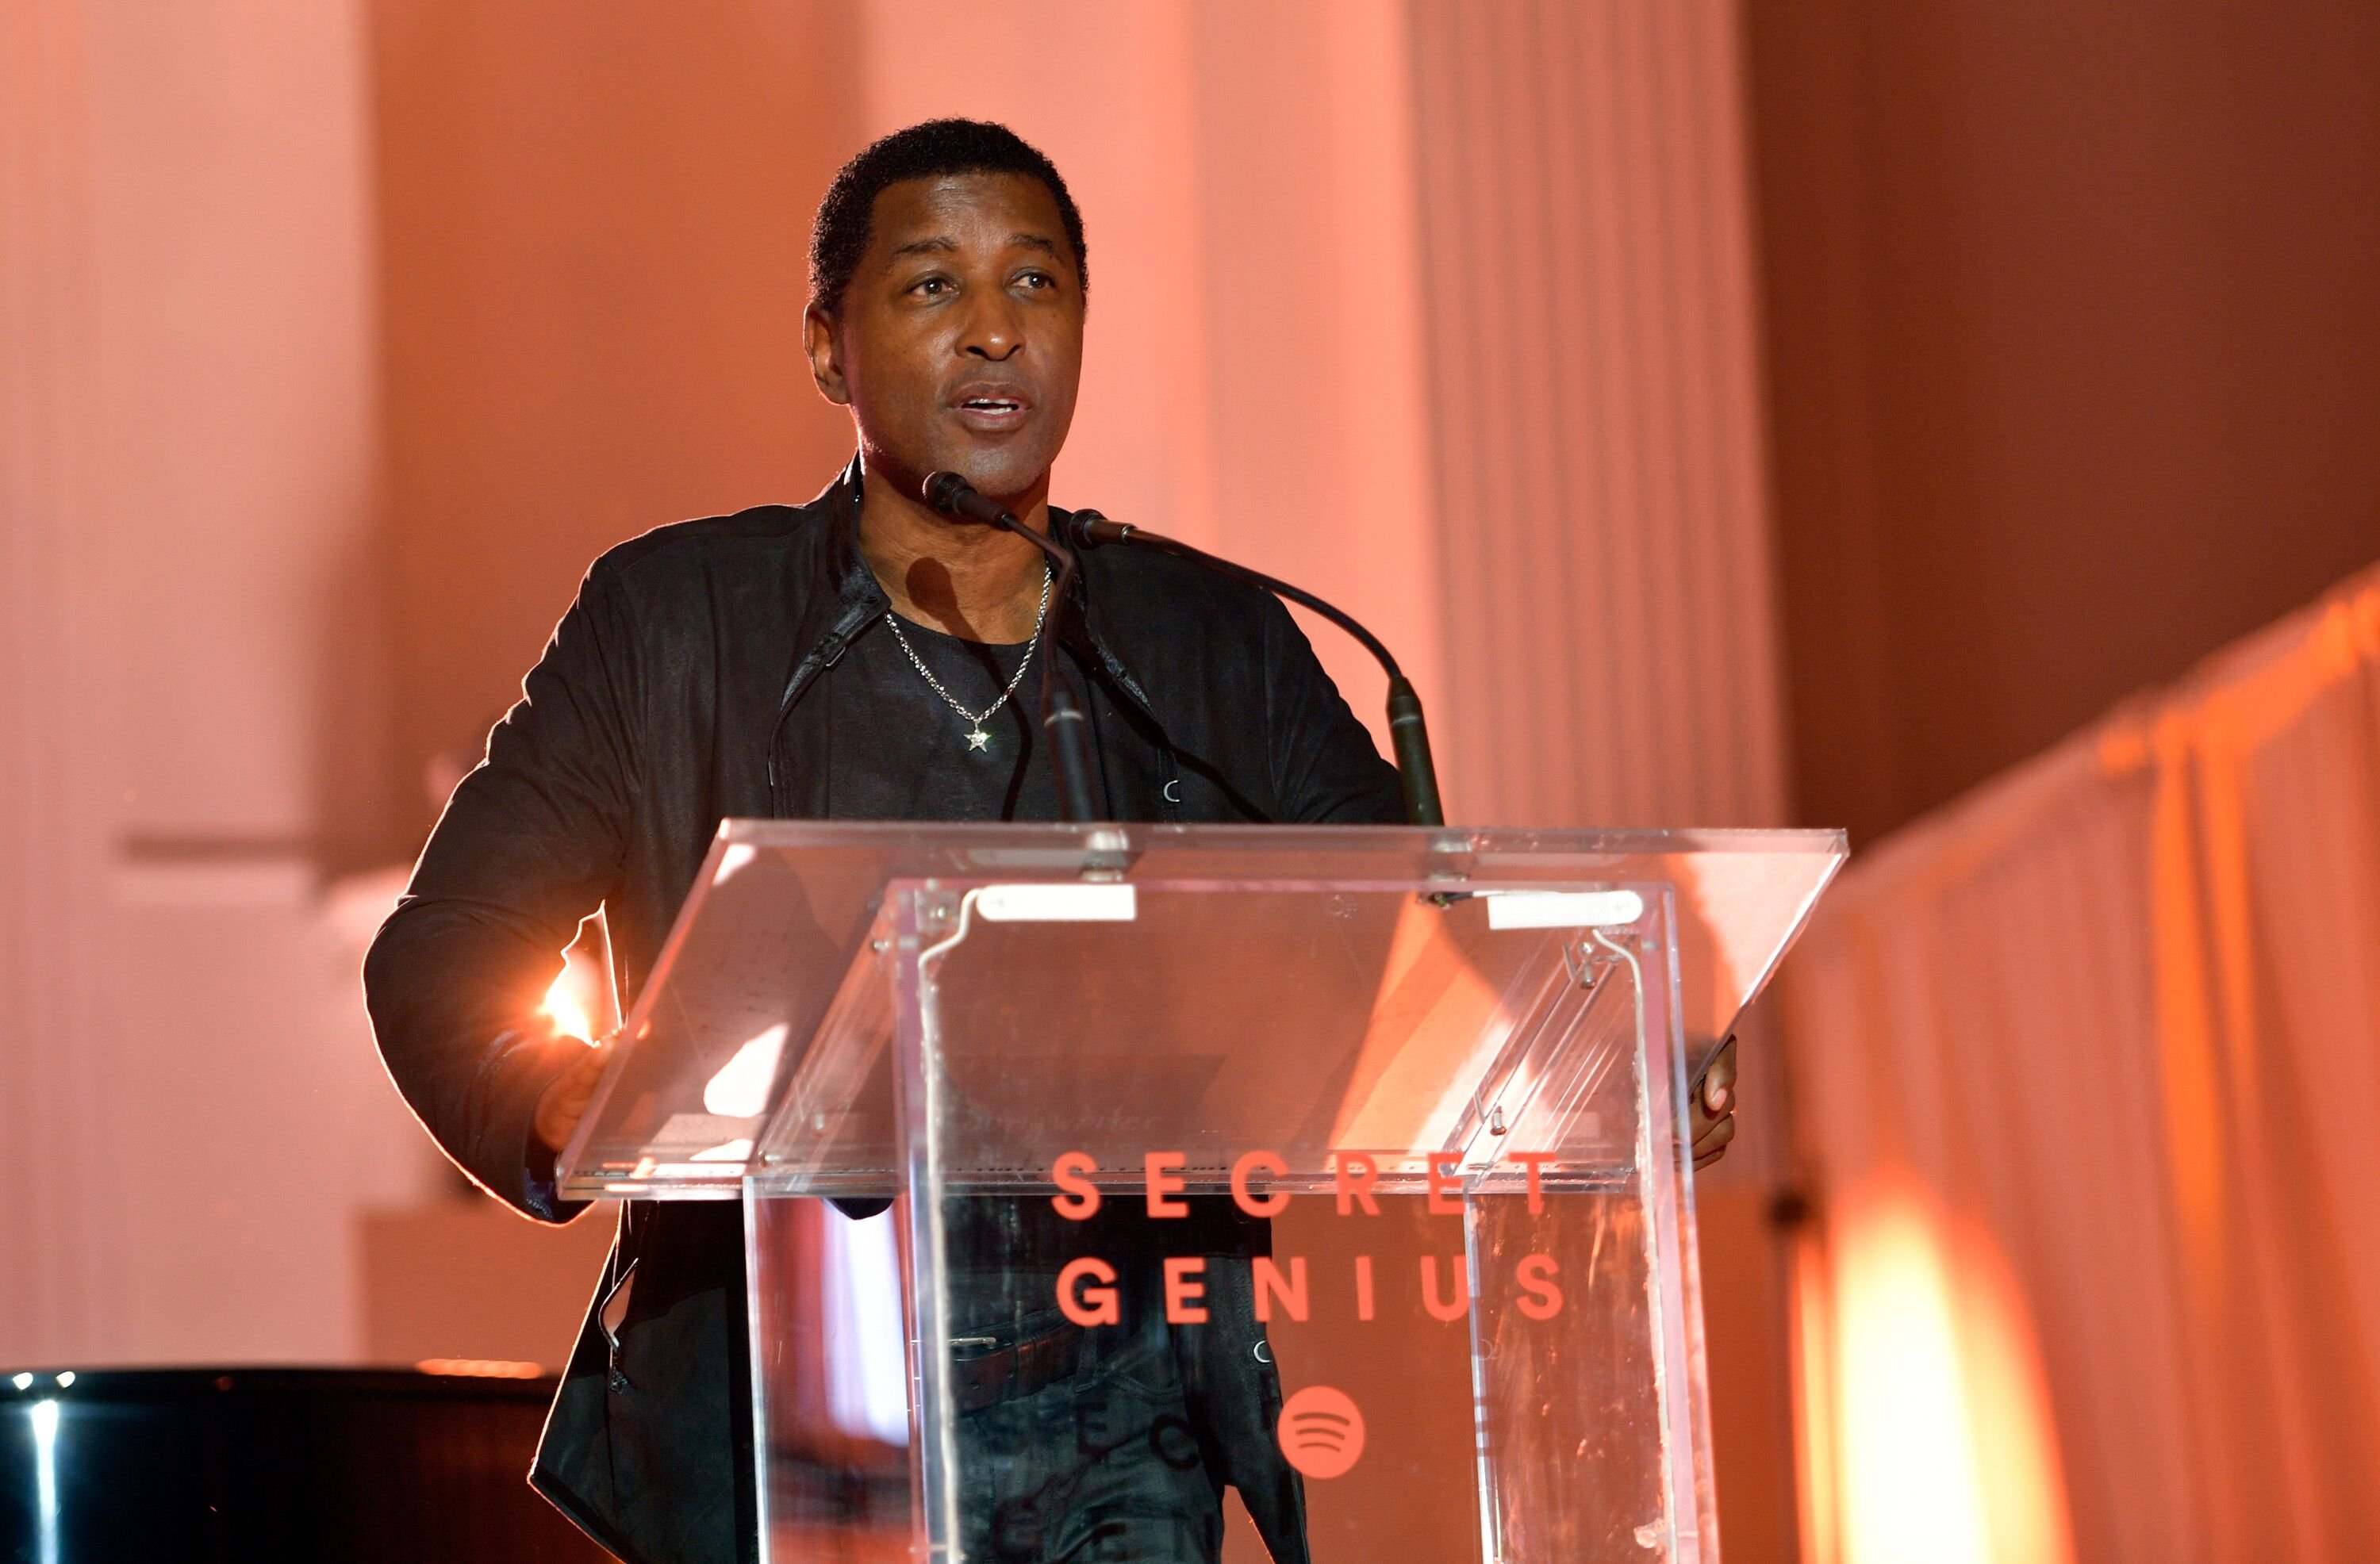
(1110, 976)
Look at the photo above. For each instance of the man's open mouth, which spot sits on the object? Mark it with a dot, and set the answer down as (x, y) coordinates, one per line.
(992, 410)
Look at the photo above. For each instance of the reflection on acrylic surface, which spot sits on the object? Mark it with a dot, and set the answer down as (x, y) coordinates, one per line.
(867, 1363)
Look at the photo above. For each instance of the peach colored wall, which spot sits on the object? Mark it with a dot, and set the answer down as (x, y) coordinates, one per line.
(467, 1278)
(187, 1102)
(2069, 322)
(53, 822)
(594, 231)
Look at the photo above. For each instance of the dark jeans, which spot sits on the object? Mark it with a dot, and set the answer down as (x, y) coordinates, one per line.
(1102, 1466)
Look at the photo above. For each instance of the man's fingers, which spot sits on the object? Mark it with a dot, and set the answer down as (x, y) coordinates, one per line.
(1714, 1092)
(587, 1071)
(1719, 1079)
(585, 1074)
(1709, 1149)
(578, 1082)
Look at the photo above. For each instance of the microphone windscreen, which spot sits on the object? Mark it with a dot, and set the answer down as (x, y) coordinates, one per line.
(947, 492)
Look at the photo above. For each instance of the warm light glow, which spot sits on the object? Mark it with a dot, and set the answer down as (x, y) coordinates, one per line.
(580, 999)
(1945, 1451)
(482, 1369)
(569, 1010)
(1909, 1463)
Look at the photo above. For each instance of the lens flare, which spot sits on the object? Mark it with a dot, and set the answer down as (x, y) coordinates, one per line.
(580, 999)
(569, 1008)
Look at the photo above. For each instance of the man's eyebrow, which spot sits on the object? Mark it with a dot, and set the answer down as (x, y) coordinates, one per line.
(945, 245)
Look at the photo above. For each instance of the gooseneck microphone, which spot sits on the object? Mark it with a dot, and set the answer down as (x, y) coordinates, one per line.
(1415, 769)
(1061, 712)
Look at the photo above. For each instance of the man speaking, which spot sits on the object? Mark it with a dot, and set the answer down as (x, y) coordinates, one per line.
(861, 657)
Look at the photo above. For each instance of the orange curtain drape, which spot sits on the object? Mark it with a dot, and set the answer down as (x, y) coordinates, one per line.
(2087, 1084)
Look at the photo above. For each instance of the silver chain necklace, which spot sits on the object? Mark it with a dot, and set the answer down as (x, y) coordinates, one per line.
(977, 737)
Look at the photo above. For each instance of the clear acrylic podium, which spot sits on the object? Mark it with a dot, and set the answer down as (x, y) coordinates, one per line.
(1344, 1163)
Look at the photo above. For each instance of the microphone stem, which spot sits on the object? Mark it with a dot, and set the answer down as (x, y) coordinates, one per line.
(1416, 770)
(1062, 718)
(1064, 723)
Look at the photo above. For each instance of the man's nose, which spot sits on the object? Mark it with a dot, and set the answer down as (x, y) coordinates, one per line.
(992, 330)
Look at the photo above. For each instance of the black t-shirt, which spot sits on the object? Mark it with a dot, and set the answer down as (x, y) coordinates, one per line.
(899, 752)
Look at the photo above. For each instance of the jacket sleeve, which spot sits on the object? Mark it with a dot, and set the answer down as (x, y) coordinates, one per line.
(1325, 769)
(530, 843)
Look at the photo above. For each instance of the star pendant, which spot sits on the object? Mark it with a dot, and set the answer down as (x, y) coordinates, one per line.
(978, 739)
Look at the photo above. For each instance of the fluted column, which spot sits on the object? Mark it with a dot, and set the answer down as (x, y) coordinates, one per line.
(1600, 522)
(53, 1101)
(189, 1108)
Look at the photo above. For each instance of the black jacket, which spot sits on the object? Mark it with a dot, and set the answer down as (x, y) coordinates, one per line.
(676, 693)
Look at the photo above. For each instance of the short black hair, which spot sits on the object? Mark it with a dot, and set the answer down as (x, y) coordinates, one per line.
(932, 150)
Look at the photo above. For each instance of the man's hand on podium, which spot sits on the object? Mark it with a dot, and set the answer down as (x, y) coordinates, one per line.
(1713, 1109)
(563, 1101)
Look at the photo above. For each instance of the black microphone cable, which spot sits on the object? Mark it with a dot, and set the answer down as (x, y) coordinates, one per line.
(1416, 770)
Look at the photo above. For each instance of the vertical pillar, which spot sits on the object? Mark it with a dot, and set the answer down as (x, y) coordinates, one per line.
(192, 1108)
(53, 651)
(1601, 526)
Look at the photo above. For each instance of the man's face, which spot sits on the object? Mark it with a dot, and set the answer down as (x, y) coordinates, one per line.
(959, 343)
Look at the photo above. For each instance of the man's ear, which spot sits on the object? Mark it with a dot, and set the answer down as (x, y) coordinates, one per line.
(826, 356)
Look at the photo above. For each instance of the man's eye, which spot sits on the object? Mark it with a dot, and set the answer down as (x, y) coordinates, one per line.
(1037, 280)
(933, 286)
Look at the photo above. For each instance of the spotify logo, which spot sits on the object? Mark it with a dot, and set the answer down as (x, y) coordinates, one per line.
(1321, 1431)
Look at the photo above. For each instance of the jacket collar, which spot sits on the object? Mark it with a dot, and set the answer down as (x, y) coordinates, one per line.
(854, 584)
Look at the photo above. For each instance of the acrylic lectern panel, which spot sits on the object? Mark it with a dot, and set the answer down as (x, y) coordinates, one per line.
(1383, 1122)
(764, 947)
